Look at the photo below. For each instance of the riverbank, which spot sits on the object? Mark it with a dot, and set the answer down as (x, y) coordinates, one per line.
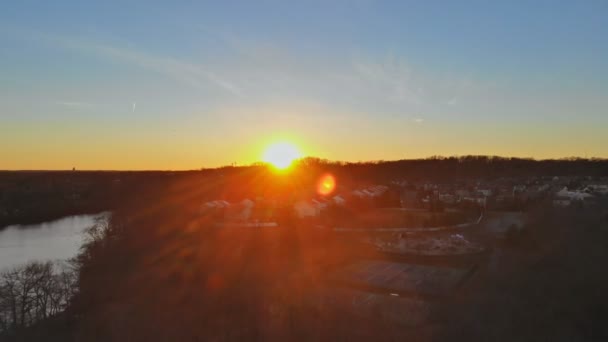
(50, 216)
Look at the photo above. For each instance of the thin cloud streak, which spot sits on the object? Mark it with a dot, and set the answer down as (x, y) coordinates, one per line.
(392, 77)
(74, 104)
(266, 74)
(184, 72)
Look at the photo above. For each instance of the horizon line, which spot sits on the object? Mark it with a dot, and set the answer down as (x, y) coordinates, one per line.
(327, 161)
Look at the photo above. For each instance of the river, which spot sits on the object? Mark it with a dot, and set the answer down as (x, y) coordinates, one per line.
(54, 240)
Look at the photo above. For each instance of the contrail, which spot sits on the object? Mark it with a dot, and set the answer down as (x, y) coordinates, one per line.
(134, 104)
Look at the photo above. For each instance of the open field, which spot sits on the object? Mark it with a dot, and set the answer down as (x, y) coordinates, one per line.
(403, 279)
(403, 311)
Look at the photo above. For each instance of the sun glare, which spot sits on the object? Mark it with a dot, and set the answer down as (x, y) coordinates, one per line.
(281, 154)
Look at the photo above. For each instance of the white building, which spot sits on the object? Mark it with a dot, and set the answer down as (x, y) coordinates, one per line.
(218, 204)
(306, 208)
(572, 195)
(339, 200)
(561, 202)
(241, 211)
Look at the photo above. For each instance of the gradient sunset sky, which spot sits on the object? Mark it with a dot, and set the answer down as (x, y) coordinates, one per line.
(184, 85)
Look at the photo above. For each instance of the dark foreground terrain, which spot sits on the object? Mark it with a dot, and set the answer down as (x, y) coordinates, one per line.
(162, 270)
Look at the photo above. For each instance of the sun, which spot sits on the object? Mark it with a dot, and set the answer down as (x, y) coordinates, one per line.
(281, 154)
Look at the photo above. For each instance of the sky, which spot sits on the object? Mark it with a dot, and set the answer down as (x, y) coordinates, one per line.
(189, 84)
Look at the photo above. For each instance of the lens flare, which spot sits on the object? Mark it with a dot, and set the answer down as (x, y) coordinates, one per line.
(326, 185)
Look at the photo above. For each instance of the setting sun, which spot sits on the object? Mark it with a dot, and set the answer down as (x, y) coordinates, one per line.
(281, 154)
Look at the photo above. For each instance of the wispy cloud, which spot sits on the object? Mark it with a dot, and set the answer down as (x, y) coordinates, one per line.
(260, 73)
(190, 73)
(134, 105)
(74, 104)
(393, 77)
(418, 120)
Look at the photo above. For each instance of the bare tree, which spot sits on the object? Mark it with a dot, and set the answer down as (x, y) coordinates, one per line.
(34, 292)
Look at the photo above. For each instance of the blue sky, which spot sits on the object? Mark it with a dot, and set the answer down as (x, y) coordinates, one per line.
(151, 85)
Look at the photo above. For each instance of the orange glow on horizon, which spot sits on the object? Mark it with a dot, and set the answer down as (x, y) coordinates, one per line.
(326, 185)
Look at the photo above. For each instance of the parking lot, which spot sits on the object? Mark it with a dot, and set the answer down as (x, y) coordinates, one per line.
(402, 278)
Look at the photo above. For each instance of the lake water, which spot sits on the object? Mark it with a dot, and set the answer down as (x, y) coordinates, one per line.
(53, 240)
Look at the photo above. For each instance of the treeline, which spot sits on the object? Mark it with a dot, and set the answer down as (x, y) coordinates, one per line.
(30, 197)
(259, 180)
(464, 167)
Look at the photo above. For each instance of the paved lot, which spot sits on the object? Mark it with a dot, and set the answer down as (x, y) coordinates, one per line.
(395, 309)
(403, 278)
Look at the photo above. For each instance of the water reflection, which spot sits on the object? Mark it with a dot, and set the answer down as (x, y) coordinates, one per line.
(54, 240)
